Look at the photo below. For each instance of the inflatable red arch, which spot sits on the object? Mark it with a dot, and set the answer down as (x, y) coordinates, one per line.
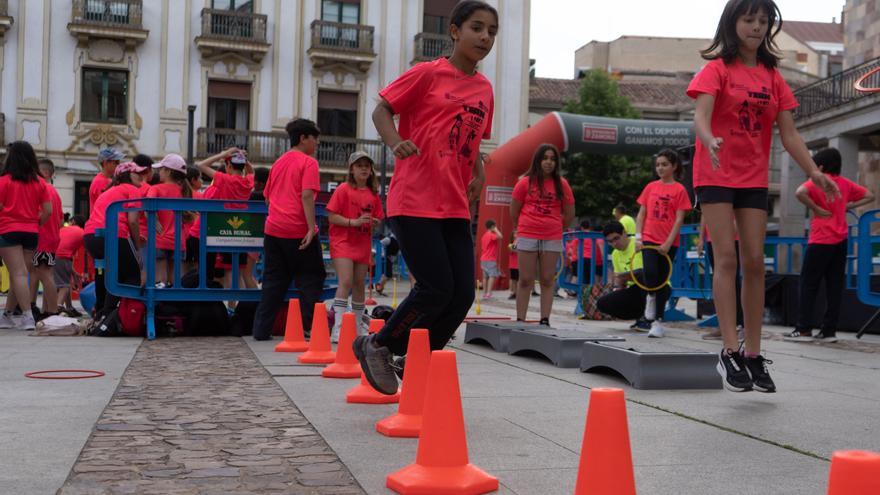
(570, 133)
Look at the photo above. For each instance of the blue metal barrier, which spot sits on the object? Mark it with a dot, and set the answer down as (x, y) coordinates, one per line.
(788, 244)
(691, 274)
(867, 258)
(150, 294)
(583, 275)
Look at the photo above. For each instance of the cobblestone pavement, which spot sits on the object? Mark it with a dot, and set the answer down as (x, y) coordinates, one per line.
(202, 416)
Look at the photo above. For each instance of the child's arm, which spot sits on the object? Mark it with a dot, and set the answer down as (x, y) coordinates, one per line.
(703, 127)
(567, 215)
(640, 223)
(496, 232)
(45, 212)
(308, 202)
(383, 119)
(869, 197)
(794, 144)
(673, 234)
(515, 209)
(134, 227)
(803, 196)
(204, 166)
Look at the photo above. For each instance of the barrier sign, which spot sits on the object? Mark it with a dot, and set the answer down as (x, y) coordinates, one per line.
(498, 195)
(235, 229)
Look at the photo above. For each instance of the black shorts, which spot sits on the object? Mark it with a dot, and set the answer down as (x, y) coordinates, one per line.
(514, 274)
(44, 258)
(27, 240)
(752, 197)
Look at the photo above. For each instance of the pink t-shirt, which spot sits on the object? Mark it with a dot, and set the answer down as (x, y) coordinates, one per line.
(99, 185)
(97, 218)
(165, 218)
(142, 218)
(71, 239)
(292, 173)
(661, 202)
(353, 242)
(21, 202)
(489, 245)
(232, 186)
(541, 213)
(832, 230)
(571, 250)
(446, 113)
(49, 231)
(196, 226)
(747, 101)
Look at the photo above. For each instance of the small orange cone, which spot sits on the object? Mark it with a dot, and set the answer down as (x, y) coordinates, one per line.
(854, 472)
(364, 393)
(345, 365)
(294, 340)
(407, 421)
(442, 465)
(606, 461)
(319, 351)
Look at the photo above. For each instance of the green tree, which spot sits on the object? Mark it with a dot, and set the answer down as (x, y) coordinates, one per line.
(600, 182)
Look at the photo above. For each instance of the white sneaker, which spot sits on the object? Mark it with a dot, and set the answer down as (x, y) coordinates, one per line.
(24, 321)
(657, 331)
(363, 326)
(651, 307)
(337, 326)
(6, 321)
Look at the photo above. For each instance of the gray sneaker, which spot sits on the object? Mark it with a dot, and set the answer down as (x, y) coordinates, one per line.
(376, 364)
(6, 320)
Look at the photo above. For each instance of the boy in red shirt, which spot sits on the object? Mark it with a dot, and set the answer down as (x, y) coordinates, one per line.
(71, 241)
(291, 250)
(489, 257)
(108, 160)
(825, 257)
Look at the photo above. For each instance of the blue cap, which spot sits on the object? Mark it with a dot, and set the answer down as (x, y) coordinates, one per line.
(110, 154)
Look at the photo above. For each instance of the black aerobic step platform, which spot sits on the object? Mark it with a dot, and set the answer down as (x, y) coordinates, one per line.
(654, 365)
(562, 346)
(494, 333)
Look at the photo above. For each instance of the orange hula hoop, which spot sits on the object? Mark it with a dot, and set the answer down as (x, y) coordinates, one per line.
(858, 86)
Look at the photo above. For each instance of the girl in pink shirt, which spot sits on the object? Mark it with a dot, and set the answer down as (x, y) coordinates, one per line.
(25, 204)
(445, 108)
(740, 95)
(172, 184)
(542, 206)
(354, 210)
(663, 205)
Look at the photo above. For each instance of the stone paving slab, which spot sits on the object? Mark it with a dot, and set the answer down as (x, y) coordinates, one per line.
(202, 416)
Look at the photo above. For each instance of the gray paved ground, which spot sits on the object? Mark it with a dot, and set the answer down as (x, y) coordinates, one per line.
(524, 418)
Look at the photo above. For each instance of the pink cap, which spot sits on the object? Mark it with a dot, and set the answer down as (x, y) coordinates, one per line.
(128, 167)
(173, 162)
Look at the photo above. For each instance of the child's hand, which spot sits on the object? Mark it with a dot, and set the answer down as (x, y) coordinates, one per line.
(821, 212)
(714, 148)
(405, 149)
(832, 192)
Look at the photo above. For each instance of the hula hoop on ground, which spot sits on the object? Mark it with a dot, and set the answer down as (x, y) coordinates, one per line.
(632, 274)
(49, 374)
(858, 84)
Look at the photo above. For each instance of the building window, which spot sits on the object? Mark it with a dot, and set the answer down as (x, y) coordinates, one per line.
(234, 5)
(105, 96)
(337, 113)
(344, 11)
(106, 11)
(229, 108)
(81, 197)
(436, 17)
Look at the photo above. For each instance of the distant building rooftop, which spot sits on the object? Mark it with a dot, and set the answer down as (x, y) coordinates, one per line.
(816, 32)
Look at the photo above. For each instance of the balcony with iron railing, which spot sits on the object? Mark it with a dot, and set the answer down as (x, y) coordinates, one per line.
(335, 42)
(233, 31)
(429, 46)
(5, 19)
(836, 91)
(115, 19)
(265, 147)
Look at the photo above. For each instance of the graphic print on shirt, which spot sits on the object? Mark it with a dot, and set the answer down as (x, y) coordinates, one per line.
(467, 123)
(751, 109)
(661, 210)
(543, 200)
(367, 208)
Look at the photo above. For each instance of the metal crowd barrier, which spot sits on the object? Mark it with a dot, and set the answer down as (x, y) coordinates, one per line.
(867, 257)
(233, 240)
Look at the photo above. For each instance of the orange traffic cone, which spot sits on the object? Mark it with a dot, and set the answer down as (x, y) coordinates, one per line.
(407, 421)
(364, 393)
(606, 462)
(854, 472)
(442, 465)
(294, 340)
(319, 344)
(345, 365)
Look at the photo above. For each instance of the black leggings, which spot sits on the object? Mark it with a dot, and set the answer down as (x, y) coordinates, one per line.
(656, 273)
(440, 255)
(826, 261)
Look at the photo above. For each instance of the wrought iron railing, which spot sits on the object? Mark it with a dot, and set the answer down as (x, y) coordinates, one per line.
(835, 90)
(262, 147)
(111, 13)
(354, 38)
(431, 45)
(232, 25)
(333, 151)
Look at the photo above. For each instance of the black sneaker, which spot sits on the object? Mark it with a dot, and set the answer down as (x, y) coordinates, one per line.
(829, 336)
(376, 364)
(399, 364)
(732, 368)
(544, 322)
(799, 335)
(641, 325)
(761, 380)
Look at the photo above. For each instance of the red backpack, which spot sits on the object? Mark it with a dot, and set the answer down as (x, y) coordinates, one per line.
(132, 315)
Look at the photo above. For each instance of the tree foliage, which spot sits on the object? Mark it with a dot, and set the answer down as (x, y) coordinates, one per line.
(600, 182)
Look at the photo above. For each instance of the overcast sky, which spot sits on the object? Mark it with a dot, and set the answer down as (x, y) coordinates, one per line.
(559, 27)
